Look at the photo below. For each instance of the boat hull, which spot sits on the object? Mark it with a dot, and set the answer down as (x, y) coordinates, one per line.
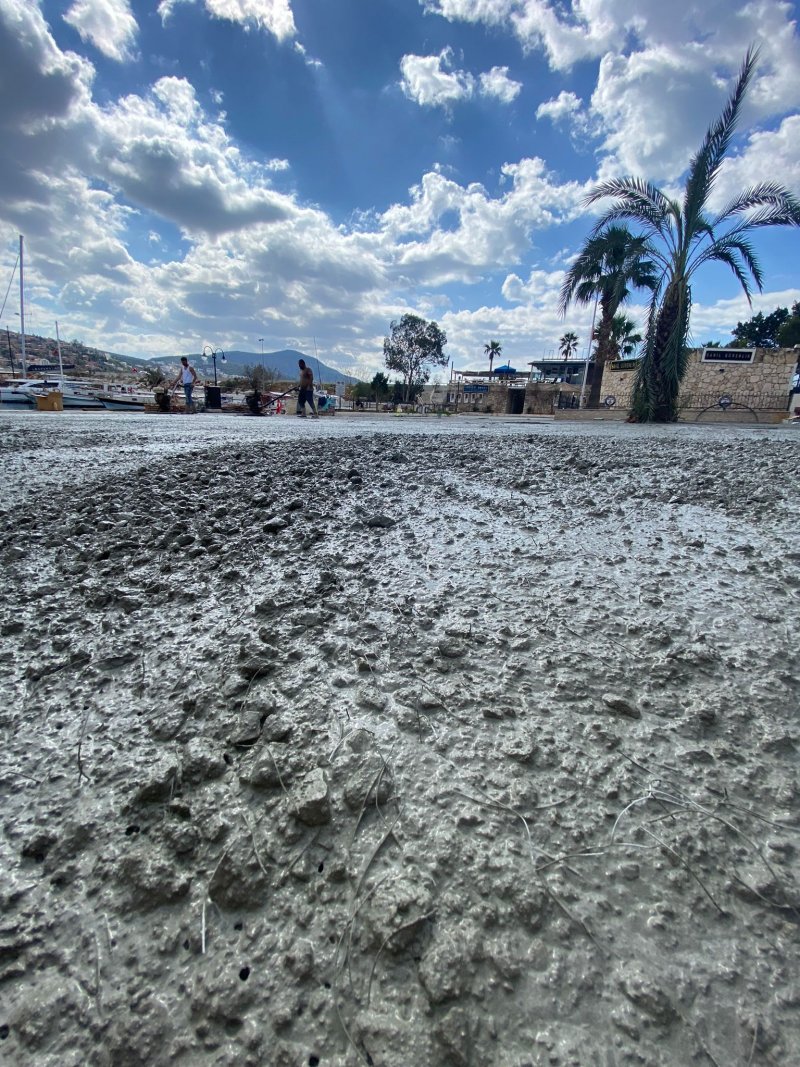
(123, 404)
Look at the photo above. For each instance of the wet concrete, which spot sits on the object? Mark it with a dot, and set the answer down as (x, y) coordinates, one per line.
(397, 742)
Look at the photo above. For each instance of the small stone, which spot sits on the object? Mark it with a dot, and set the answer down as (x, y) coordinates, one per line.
(311, 800)
(201, 762)
(621, 706)
(379, 521)
(276, 524)
(451, 649)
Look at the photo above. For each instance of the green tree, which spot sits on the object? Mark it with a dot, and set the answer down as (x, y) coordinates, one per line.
(761, 331)
(414, 346)
(683, 236)
(611, 262)
(624, 336)
(380, 386)
(492, 350)
(789, 333)
(568, 345)
(152, 377)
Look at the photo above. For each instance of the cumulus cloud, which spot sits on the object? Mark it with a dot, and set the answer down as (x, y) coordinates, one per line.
(565, 106)
(674, 61)
(428, 81)
(274, 16)
(108, 24)
(497, 83)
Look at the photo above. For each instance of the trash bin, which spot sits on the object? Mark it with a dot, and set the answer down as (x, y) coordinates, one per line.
(213, 396)
(162, 399)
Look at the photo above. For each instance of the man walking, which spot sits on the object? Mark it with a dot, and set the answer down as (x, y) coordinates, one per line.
(305, 394)
(188, 375)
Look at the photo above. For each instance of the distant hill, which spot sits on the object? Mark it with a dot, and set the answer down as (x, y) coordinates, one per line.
(283, 363)
(90, 361)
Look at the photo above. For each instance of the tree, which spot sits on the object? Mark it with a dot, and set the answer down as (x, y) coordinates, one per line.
(624, 337)
(492, 350)
(611, 262)
(682, 236)
(259, 378)
(789, 333)
(380, 386)
(568, 345)
(413, 346)
(153, 376)
(761, 331)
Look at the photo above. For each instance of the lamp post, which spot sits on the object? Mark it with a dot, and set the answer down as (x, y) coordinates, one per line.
(213, 353)
(261, 342)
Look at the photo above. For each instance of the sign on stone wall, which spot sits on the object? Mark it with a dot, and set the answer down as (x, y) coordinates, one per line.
(728, 355)
(624, 364)
(476, 388)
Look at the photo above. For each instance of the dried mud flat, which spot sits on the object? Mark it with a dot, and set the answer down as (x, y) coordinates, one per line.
(403, 749)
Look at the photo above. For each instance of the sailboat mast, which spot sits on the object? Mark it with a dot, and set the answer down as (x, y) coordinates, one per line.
(22, 309)
(10, 351)
(60, 361)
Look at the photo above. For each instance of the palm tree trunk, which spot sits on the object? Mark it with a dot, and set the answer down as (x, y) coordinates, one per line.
(603, 353)
(655, 394)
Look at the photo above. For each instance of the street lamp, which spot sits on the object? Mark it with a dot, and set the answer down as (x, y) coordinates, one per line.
(261, 342)
(213, 353)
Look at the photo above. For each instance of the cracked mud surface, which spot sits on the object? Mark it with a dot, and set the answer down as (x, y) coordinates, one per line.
(398, 743)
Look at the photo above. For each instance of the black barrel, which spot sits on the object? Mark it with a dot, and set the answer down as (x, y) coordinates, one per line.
(213, 396)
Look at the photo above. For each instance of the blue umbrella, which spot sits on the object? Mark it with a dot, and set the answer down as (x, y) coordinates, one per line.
(504, 370)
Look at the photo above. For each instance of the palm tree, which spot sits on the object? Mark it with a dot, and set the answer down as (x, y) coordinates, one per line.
(492, 350)
(567, 346)
(610, 263)
(624, 337)
(681, 236)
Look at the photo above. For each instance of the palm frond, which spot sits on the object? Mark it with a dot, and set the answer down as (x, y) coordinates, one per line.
(758, 196)
(705, 165)
(739, 255)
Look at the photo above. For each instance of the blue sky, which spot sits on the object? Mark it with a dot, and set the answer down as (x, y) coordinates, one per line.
(191, 172)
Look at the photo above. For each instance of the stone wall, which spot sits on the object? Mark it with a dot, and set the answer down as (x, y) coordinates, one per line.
(762, 385)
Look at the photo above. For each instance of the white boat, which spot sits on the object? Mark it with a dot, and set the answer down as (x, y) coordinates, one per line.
(18, 391)
(77, 394)
(126, 403)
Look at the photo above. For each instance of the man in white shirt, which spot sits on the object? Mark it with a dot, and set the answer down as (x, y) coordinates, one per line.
(187, 375)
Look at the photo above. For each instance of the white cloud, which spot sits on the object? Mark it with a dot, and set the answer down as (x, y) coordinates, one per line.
(676, 61)
(497, 83)
(565, 106)
(277, 164)
(428, 81)
(108, 24)
(780, 147)
(274, 16)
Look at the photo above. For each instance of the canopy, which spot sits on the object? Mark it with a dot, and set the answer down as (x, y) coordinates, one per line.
(504, 370)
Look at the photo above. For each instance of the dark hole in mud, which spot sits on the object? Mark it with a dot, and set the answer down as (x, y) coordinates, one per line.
(59, 726)
(244, 974)
(313, 1061)
(300, 1009)
(186, 943)
(3, 1032)
(332, 938)
(321, 867)
(131, 830)
(238, 926)
(327, 985)
(232, 1025)
(227, 758)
